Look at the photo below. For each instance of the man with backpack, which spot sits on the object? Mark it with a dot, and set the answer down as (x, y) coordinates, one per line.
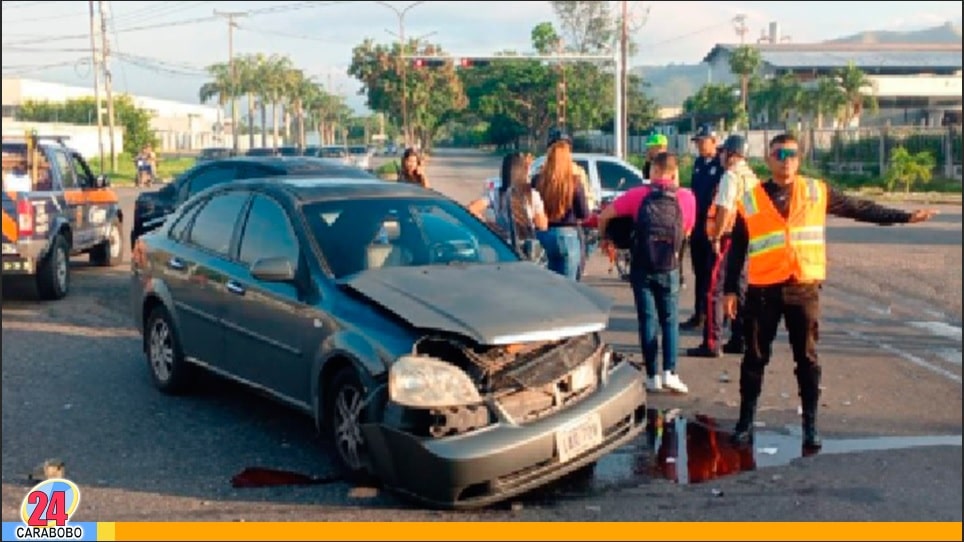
(663, 215)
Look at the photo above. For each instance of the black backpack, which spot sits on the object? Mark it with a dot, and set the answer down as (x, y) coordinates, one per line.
(659, 231)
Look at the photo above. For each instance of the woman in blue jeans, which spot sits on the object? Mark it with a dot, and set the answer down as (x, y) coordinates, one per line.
(565, 204)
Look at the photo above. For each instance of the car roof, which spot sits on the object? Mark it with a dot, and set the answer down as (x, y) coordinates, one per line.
(314, 189)
(295, 164)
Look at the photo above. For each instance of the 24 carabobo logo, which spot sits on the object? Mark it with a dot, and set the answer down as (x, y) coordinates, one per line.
(46, 510)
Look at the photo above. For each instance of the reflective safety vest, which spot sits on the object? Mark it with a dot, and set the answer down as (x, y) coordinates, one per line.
(783, 249)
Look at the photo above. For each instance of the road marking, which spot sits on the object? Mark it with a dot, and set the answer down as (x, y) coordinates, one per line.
(939, 329)
(907, 356)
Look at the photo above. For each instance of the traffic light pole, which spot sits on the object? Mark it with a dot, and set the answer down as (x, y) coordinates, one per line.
(614, 58)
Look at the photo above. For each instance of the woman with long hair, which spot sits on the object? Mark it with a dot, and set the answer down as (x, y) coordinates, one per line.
(413, 171)
(565, 202)
(518, 209)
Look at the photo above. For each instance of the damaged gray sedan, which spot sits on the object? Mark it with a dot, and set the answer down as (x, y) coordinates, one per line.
(431, 355)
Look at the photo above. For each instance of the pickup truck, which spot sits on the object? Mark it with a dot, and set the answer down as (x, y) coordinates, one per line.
(53, 208)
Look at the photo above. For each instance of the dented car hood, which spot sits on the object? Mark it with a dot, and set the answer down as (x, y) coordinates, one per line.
(492, 304)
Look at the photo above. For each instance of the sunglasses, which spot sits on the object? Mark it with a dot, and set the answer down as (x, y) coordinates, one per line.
(784, 154)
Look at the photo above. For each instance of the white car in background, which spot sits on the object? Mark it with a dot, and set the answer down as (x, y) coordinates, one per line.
(361, 156)
(608, 176)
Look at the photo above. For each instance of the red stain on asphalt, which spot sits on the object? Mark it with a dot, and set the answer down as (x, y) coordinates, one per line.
(265, 477)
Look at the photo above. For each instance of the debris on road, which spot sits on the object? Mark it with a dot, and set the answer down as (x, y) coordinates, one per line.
(264, 477)
(716, 492)
(724, 377)
(767, 450)
(362, 492)
(51, 468)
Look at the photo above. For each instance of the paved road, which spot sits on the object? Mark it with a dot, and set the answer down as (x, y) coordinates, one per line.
(75, 387)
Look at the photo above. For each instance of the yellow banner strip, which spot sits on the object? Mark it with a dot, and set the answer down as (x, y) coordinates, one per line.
(512, 531)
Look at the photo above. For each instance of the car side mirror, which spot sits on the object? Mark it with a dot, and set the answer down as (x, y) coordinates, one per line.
(101, 181)
(273, 270)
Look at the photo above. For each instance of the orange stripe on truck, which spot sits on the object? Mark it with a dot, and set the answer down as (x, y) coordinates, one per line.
(78, 197)
(10, 230)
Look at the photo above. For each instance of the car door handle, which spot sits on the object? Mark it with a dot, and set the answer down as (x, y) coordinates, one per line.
(176, 263)
(234, 287)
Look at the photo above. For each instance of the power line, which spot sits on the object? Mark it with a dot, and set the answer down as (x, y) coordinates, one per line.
(45, 18)
(278, 33)
(21, 69)
(7, 6)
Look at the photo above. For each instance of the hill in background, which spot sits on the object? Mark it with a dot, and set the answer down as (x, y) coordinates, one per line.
(670, 85)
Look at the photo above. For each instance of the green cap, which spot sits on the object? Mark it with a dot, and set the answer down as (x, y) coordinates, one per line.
(657, 140)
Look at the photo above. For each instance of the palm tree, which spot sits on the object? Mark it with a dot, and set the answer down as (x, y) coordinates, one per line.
(744, 61)
(219, 87)
(855, 86)
(248, 85)
(275, 70)
(824, 98)
(781, 96)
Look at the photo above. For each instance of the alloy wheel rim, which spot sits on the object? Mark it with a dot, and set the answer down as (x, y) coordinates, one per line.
(348, 407)
(161, 351)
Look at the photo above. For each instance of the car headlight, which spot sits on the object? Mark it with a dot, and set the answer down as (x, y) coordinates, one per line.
(425, 382)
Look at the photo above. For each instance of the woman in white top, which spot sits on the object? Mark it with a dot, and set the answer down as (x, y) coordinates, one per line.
(518, 208)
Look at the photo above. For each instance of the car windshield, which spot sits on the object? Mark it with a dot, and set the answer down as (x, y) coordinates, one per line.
(365, 233)
(332, 152)
(358, 150)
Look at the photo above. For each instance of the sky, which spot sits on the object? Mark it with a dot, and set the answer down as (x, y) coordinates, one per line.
(162, 47)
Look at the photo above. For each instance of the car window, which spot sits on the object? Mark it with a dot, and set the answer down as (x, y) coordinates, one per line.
(268, 233)
(68, 177)
(365, 233)
(208, 177)
(616, 177)
(81, 170)
(183, 221)
(214, 226)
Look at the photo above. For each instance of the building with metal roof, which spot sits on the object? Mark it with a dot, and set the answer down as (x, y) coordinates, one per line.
(914, 83)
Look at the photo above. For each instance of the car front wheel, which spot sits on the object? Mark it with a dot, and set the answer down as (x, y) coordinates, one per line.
(346, 414)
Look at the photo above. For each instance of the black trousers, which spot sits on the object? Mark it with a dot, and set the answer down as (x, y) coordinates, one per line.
(798, 306)
(700, 253)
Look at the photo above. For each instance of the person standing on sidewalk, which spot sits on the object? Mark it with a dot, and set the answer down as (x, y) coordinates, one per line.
(738, 178)
(707, 171)
(664, 214)
(780, 234)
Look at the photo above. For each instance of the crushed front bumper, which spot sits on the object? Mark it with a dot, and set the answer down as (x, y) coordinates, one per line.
(503, 460)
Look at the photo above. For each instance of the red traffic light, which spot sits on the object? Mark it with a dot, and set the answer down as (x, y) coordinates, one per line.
(466, 62)
(428, 62)
(418, 62)
(473, 62)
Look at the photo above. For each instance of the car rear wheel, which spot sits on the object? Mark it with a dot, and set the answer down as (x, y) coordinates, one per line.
(53, 274)
(111, 252)
(165, 359)
(346, 414)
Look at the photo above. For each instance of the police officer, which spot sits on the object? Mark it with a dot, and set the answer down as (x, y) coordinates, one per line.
(780, 234)
(738, 178)
(707, 171)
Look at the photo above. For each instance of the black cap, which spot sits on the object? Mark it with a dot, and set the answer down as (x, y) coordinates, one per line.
(705, 130)
(557, 134)
(735, 144)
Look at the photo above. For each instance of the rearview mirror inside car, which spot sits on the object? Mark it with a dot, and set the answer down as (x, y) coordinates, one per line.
(273, 270)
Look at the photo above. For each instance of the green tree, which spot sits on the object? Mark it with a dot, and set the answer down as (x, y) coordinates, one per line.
(909, 169)
(778, 97)
(823, 99)
(744, 62)
(858, 90)
(433, 93)
(714, 103)
(136, 122)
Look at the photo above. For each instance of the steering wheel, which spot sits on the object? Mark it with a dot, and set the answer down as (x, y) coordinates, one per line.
(447, 252)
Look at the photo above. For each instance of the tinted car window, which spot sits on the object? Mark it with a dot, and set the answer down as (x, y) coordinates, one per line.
(208, 177)
(68, 177)
(613, 176)
(214, 226)
(267, 233)
(178, 228)
(352, 234)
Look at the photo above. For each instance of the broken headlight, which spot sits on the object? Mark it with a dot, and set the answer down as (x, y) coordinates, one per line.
(426, 382)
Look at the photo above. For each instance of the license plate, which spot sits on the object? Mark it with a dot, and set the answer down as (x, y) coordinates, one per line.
(583, 435)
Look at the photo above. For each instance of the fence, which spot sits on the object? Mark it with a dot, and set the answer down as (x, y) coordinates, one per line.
(857, 152)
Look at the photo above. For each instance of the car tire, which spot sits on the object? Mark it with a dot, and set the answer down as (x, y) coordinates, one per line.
(110, 253)
(53, 273)
(345, 414)
(165, 357)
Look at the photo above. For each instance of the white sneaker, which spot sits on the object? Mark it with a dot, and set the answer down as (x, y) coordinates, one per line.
(654, 383)
(672, 381)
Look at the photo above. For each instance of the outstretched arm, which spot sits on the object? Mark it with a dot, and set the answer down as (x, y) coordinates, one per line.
(861, 210)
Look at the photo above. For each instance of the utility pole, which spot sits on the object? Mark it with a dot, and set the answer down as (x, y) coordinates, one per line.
(105, 50)
(623, 77)
(562, 91)
(739, 25)
(96, 66)
(231, 15)
(403, 67)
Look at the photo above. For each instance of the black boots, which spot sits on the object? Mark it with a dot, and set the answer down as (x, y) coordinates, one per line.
(751, 382)
(808, 380)
(695, 322)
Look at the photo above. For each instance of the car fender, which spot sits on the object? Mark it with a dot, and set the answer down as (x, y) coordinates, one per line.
(155, 288)
(370, 364)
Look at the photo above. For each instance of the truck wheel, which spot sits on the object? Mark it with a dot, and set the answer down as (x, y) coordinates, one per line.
(110, 253)
(53, 273)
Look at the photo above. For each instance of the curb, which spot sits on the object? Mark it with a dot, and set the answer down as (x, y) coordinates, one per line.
(931, 198)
